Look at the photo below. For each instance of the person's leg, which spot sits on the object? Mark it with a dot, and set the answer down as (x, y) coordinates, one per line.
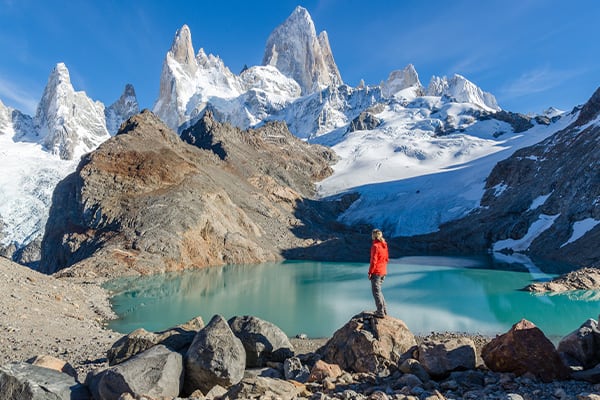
(376, 281)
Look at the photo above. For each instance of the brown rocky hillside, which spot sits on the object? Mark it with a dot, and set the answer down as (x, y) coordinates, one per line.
(146, 201)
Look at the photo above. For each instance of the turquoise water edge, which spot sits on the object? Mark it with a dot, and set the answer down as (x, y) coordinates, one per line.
(457, 294)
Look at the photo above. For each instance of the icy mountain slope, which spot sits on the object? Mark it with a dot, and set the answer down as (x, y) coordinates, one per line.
(36, 153)
(412, 180)
(29, 175)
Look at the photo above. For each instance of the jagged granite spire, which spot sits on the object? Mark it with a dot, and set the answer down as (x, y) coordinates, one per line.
(294, 48)
(69, 123)
(188, 81)
(400, 80)
(118, 112)
(462, 90)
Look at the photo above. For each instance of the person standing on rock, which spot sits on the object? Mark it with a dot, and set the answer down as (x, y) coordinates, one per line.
(378, 270)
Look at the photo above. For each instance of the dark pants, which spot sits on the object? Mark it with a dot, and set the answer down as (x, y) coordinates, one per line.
(376, 281)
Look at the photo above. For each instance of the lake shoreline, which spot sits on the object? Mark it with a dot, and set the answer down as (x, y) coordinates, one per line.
(67, 318)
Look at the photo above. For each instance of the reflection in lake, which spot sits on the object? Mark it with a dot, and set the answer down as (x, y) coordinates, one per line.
(316, 298)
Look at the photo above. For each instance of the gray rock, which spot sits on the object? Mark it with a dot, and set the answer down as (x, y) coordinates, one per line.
(439, 358)
(581, 348)
(262, 340)
(156, 372)
(23, 381)
(590, 375)
(294, 369)
(263, 388)
(364, 121)
(412, 366)
(177, 338)
(409, 380)
(215, 357)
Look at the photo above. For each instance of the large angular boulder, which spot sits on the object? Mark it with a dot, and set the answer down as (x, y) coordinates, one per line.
(439, 358)
(581, 348)
(156, 372)
(177, 338)
(262, 340)
(368, 344)
(20, 381)
(215, 357)
(525, 348)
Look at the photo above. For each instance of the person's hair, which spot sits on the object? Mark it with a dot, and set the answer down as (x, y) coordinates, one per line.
(377, 235)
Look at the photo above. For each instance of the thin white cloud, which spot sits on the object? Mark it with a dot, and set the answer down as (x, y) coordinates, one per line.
(22, 99)
(537, 81)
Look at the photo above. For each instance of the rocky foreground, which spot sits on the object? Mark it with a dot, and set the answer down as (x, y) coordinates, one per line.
(44, 320)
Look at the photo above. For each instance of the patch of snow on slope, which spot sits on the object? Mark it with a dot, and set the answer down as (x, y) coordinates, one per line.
(580, 228)
(543, 223)
(539, 201)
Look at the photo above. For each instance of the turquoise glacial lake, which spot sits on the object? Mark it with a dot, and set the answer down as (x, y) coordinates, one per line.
(317, 298)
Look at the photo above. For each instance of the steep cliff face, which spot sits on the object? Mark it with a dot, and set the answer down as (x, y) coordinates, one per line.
(543, 201)
(68, 123)
(146, 201)
(296, 50)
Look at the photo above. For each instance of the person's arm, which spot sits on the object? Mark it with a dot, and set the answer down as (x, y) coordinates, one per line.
(372, 262)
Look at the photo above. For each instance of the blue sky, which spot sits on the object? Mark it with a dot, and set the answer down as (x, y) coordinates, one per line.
(531, 54)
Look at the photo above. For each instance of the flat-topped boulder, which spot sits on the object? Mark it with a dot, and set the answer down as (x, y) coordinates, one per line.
(369, 344)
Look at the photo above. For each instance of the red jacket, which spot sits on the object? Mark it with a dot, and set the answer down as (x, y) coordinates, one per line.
(379, 258)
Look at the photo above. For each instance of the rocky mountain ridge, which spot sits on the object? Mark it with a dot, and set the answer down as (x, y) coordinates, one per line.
(146, 201)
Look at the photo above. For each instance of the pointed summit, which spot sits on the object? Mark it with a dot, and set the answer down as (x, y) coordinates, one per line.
(181, 49)
(400, 80)
(294, 48)
(69, 123)
(122, 109)
(187, 82)
(460, 89)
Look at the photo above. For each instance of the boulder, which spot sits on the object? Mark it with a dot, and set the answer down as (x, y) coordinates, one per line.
(322, 370)
(262, 340)
(54, 363)
(368, 344)
(581, 348)
(293, 369)
(177, 338)
(215, 357)
(129, 345)
(439, 358)
(414, 367)
(524, 348)
(263, 388)
(156, 372)
(20, 381)
(590, 375)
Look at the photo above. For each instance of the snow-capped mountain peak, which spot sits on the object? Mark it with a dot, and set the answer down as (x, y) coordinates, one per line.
(125, 107)
(68, 123)
(460, 89)
(296, 50)
(188, 82)
(400, 80)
